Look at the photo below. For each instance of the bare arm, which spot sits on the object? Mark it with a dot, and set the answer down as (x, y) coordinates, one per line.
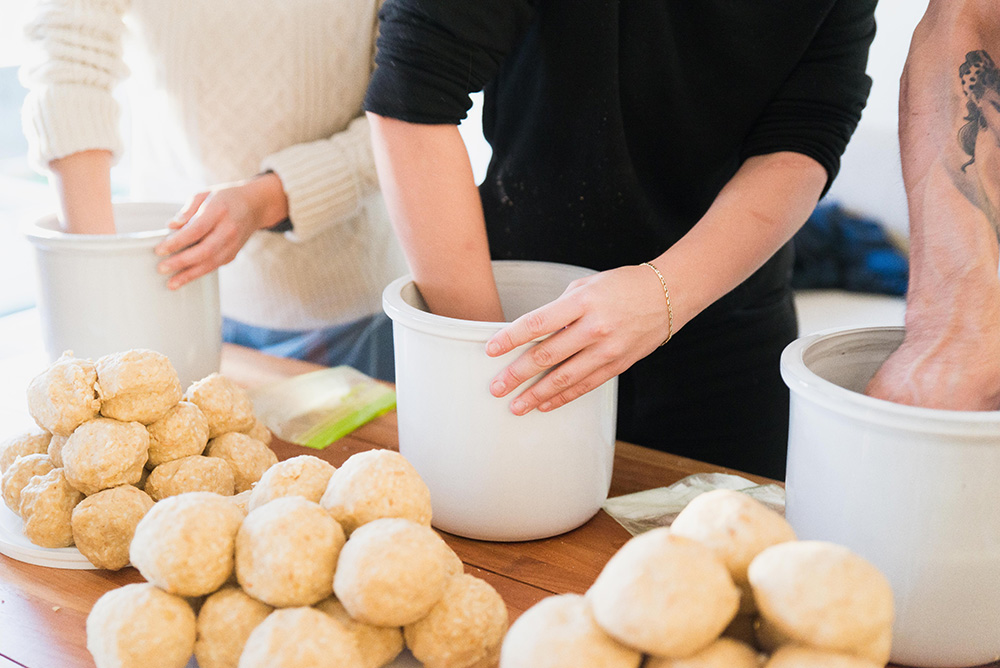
(83, 183)
(432, 198)
(950, 143)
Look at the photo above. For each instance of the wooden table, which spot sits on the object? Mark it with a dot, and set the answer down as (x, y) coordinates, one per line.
(43, 611)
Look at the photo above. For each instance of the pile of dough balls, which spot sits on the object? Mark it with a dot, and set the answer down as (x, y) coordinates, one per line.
(726, 586)
(320, 566)
(118, 435)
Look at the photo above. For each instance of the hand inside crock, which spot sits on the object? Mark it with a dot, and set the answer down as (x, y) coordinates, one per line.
(215, 224)
(599, 326)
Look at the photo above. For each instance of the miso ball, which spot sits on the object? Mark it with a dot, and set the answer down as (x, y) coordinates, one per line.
(104, 453)
(286, 552)
(137, 385)
(560, 632)
(300, 638)
(723, 653)
(56, 445)
(104, 523)
(248, 457)
(305, 476)
(17, 476)
(185, 543)
(665, 595)
(64, 396)
(225, 621)
(462, 629)
(226, 405)
(182, 432)
(29, 443)
(378, 645)
(391, 572)
(806, 657)
(376, 484)
(140, 626)
(259, 431)
(47, 503)
(191, 474)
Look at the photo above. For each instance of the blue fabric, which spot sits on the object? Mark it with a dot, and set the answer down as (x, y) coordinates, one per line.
(838, 249)
(365, 344)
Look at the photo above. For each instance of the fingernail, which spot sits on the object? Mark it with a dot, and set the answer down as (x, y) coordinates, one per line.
(492, 348)
(517, 407)
(173, 285)
(546, 406)
(497, 388)
(163, 269)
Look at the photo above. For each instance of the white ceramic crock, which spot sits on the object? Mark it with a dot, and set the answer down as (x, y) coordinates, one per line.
(915, 491)
(493, 475)
(101, 293)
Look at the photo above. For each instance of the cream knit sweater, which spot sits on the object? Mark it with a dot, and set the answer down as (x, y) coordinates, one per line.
(219, 91)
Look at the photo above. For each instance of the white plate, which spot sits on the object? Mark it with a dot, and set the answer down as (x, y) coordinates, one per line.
(15, 545)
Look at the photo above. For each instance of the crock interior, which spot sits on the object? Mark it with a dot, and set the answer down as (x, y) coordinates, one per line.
(851, 359)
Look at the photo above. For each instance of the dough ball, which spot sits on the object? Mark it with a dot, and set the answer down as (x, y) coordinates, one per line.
(304, 476)
(391, 572)
(185, 543)
(182, 432)
(286, 552)
(47, 503)
(560, 632)
(18, 474)
(225, 621)
(104, 453)
(191, 474)
(64, 396)
(140, 626)
(30, 443)
(736, 527)
(259, 431)
(104, 523)
(821, 594)
(378, 645)
(226, 405)
(248, 457)
(723, 653)
(665, 595)
(55, 449)
(137, 386)
(802, 657)
(300, 638)
(375, 484)
(453, 563)
(242, 500)
(462, 628)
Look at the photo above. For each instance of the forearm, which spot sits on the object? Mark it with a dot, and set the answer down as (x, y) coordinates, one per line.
(757, 212)
(83, 184)
(434, 204)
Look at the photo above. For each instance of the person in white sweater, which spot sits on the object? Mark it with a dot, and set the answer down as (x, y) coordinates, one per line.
(251, 112)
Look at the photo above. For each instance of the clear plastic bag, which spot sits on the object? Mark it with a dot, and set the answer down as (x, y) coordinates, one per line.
(658, 507)
(315, 409)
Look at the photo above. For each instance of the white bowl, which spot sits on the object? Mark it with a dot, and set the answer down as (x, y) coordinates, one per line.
(101, 293)
(915, 491)
(494, 475)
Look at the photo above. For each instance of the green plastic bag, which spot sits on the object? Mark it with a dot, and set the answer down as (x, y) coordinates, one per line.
(315, 409)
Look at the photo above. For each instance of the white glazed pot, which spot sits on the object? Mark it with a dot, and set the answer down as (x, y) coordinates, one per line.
(915, 491)
(494, 475)
(101, 293)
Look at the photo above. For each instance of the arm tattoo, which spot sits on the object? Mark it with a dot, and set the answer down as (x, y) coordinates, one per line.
(978, 74)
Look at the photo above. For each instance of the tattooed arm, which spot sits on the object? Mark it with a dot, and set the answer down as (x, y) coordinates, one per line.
(949, 120)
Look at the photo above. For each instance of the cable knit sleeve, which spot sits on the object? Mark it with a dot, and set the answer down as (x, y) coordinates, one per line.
(71, 71)
(326, 181)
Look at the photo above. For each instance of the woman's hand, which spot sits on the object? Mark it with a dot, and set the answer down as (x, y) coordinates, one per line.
(214, 226)
(599, 327)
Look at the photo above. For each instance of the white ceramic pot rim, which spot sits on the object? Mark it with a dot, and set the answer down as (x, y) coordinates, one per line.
(810, 386)
(444, 327)
(43, 234)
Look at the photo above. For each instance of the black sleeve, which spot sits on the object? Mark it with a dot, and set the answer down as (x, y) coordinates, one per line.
(817, 109)
(433, 53)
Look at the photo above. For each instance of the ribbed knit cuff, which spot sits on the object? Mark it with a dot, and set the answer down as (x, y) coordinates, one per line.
(321, 185)
(63, 119)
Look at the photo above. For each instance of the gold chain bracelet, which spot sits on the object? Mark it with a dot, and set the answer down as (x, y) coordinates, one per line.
(666, 295)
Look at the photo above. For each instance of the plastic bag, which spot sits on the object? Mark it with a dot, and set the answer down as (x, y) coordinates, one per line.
(658, 507)
(315, 409)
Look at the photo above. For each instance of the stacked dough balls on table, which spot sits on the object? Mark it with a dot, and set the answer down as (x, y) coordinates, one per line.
(320, 566)
(726, 586)
(118, 435)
